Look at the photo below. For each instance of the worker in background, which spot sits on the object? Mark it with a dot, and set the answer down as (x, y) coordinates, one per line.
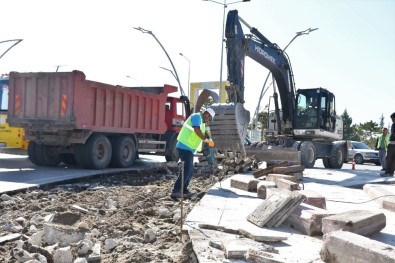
(311, 109)
(192, 133)
(381, 146)
(390, 159)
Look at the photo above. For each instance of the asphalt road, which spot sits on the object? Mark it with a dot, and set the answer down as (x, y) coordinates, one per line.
(18, 173)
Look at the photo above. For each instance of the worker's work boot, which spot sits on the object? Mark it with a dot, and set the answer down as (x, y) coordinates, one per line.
(386, 174)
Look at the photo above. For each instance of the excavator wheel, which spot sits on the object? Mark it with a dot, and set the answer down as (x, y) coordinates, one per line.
(307, 154)
(229, 127)
(336, 156)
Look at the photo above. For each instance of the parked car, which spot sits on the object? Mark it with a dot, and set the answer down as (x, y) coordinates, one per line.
(362, 153)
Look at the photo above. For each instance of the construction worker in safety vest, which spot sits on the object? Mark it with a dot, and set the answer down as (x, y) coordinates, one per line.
(192, 133)
(381, 146)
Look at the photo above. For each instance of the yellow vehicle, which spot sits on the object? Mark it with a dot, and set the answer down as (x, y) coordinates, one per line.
(10, 137)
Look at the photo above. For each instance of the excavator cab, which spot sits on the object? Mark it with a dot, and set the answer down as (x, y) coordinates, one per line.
(315, 109)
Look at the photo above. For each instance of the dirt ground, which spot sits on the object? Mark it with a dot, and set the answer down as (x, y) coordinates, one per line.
(135, 210)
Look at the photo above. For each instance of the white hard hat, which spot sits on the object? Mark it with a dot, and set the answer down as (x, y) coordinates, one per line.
(211, 111)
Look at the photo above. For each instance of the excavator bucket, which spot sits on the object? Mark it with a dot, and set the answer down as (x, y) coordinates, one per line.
(229, 128)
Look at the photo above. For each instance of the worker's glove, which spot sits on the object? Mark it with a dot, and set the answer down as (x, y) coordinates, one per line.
(210, 143)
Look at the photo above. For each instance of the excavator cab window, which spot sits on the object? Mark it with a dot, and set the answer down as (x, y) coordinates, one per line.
(309, 108)
(315, 110)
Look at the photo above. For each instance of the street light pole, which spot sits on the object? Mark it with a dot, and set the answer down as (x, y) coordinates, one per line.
(225, 5)
(263, 91)
(171, 62)
(17, 41)
(169, 71)
(189, 72)
(58, 66)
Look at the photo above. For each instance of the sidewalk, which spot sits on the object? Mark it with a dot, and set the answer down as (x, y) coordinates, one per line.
(229, 207)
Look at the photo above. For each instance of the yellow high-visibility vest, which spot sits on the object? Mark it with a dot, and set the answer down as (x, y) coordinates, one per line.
(386, 140)
(187, 135)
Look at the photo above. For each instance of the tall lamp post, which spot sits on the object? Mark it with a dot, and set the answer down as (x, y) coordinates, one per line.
(171, 71)
(171, 62)
(225, 5)
(263, 91)
(17, 41)
(189, 71)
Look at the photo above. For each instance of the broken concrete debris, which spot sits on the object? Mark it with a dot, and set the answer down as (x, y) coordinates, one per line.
(360, 222)
(307, 219)
(276, 208)
(345, 246)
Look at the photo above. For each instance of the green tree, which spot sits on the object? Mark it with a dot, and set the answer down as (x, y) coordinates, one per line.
(263, 118)
(370, 126)
(349, 131)
(381, 122)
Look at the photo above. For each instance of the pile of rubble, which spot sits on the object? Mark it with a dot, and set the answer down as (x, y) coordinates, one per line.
(225, 165)
(113, 218)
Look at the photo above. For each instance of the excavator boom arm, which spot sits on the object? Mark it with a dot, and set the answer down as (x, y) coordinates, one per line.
(260, 49)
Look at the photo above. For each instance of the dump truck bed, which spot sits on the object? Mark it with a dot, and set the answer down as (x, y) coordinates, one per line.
(58, 101)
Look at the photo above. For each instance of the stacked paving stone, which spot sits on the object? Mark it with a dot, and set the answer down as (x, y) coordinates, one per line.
(224, 165)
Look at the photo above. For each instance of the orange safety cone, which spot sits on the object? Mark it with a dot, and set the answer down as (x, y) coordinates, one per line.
(353, 164)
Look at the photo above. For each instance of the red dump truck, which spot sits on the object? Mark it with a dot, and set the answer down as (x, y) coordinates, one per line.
(70, 119)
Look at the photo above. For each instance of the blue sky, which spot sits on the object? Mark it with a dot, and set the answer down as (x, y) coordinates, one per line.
(352, 53)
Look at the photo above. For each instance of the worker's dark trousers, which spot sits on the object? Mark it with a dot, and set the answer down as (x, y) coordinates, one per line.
(390, 160)
(187, 157)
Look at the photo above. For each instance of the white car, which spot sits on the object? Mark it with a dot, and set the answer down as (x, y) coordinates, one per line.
(361, 153)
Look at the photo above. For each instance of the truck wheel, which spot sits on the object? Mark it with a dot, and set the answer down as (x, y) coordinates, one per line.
(47, 155)
(123, 152)
(99, 151)
(31, 152)
(173, 155)
(336, 156)
(81, 155)
(325, 161)
(68, 159)
(307, 154)
(171, 152)
(296, 145)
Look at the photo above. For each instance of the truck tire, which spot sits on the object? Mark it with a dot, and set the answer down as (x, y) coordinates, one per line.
(325, 161)
(81, 155)
(31, 152)
(68, 159)
(171, 154)
(123, 152)
(336, 156)
(47, 155)
(307, 154)
(296, 145)
(99, 151)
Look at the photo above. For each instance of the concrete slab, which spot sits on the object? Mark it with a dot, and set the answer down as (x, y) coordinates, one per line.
(342, 190)
(235, 205)
(313, 198)
(382, 194)
(344, 246)
(243, 183)
(307, 219)
(262, 188)
(292, 157)
(362, 222)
